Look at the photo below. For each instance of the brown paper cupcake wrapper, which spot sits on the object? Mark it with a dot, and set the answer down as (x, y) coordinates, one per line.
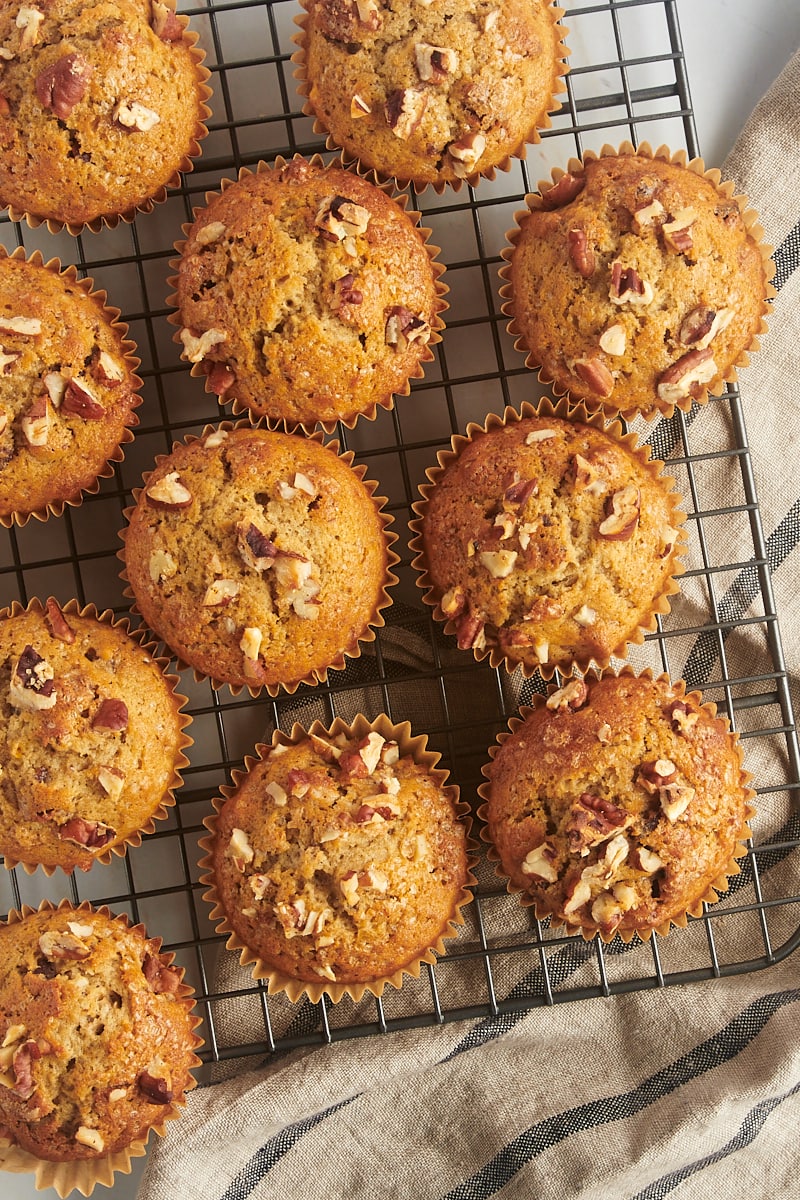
(369, 632)
(112, 220)
(143, 639)
(378, 176)
(297, 989)
(726, 190)
(83, 1175)
(712, 893)
(563, 410)
(111, 316)
(239, 406)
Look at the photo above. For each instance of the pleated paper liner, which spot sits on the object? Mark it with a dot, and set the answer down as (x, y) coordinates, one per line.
(247, 664)
(353, 113)
(454, 815)
(98, 398)
(591, 637)
(545, 906)
(246, 385)
(171, 28)
(32, 841)
(84, 1174)
(592, 373)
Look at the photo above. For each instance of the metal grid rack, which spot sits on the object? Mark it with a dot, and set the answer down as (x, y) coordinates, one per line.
(627, 80)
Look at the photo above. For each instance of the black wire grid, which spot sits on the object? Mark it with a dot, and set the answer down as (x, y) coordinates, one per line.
(627, 81)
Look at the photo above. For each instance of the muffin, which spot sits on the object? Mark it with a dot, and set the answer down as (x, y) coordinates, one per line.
(663, 272)
(618, 804)
(338, 860)
(260, 558)
(435, 93)
(97, 1040)
(102, 106)
(67, 387)
(91, 736)
(545, 539)
(306, 294)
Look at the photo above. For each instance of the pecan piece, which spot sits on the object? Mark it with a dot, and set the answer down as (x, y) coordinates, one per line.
(656, 774)
(572, 695)
(434, 63)
(220, 378)
(104, 368)
(681, 717)
(59, 626)
(687, 377)
(564, 191)
(678, 231)
(162, 978)
(35, 425)
(651, 214)
(78, 401)
(359, 107)
(540, 862)
(165, 23)
(499, 563)
(404, 327)
(195, 347)
(593, 820)
(581, 254)
(344, 292)
(369, 14)
(627, 286)
(621, 514)
(595, 374)
(453, 602)
(466, 153)
(702, 325)
(404, 109)
(62, 84)
(155, 1088)
(94, 835)
(58, 946)
(22, 1066)
(32, 686)
(29, 20)
(470, 632)
(24, 326)
(111, 715)
(135, 117)
(168, 492)
(614, 340)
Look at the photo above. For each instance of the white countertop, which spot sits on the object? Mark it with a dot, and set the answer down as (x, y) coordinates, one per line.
(734, 49)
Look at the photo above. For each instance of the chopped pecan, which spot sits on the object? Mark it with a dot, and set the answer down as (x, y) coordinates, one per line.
(434, 63)
(627, 286)
(24, 326)
(59, 946)
(499, 563)
(22, 1066)
(341, 220)
(239, 848)
(112, 715)
(656, 774)
(78, 401)
(220, 378)
(572, 695)
(35, 424)
(168, 492)
(196, 347)
(470, 631)
(581, 254)
(165, 23)
(7, 360)
(104, 368)
(595, 374)
(29, 20)
(369, 14)
(62, 84)
(59, 626)
(681, 716)
(92, 834)
(688, 376)
(359, 107)
(702, 325)
(55, 384)
(344, 292)
(156, 1089)
(614, 340)
(32, 686)
(518, 494)
(675, 799)
(112, 781)
(453, 601)
(91, 1138)
(250, 644)
(404, 327)
(404, 109)
(220, 592)
(255, 548)
(135, 117)
(621, 514)
(585, 616)
(593, 820)
(678, 232)
(466, 152)
(651, 214)
(564, 191)
(540, 862)
(647, 860)
(162, 978)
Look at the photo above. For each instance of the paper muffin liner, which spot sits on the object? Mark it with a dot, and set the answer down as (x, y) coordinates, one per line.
(238, 406)
(111, 317)
(375, 622)
(83, 1175)
(563, 409)
(713, 892)
(543, 120)
(111, 220)
(143, 639)
(726, 191)
(298, 989)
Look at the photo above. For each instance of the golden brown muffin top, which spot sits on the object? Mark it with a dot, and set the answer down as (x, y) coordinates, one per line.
(618, 804)
(339, 859)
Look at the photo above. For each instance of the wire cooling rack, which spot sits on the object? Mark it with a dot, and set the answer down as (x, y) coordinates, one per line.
(627, 81)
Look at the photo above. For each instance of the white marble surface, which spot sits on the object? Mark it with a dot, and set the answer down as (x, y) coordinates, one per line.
(734, 49)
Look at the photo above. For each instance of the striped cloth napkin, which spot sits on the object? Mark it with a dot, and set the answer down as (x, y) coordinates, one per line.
(692, 1091)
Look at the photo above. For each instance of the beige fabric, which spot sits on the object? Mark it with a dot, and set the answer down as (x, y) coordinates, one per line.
(687, 1091)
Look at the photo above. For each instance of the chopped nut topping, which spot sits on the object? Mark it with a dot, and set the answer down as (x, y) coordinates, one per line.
(112, 781)
(56, 385)
(220, 592)
(91, 1138)
(627, 287)
(490, 20)
(595, 374)
(702, 325)
(678, 231)
(359, 107)
(581, 254)
(24, 326)
(564, 191)
(162, 566)
(117, 1094)
(157, 1089)
(470, 630)
(654, 775)
(645, 218)
(105, 368)
(81, 931)
(466, 153)
(255, 548)
(78, 401)
(370, 750)
(540, 435)
(278, 794)
(572, 695)
(404, 327)
(649, 861)
(31, 686)
(499, 563)
(585, 616)
(94, 835)
(35, 425)
(369, 14)
(210, 233)
(301, 483)
(250, 643)
(404, 110)
(168, 492)
(682, 717)
(593, 820)
(621, 514)
(340, 220)
(112, 714)
(344, 292)
(62, 84)
(7, 360)
(581, 893)
(196, 348)
(58, 946)
(614, 340)
(163, 979)
(539, 862)
(434, 63)
(604, 733)
(687, 376)
(239, 848)
(59, 626)
(675, 799)
(348, 885)
(217, 438)
(29, 20)
(453, 601)
(165, 22)
(135, 117)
